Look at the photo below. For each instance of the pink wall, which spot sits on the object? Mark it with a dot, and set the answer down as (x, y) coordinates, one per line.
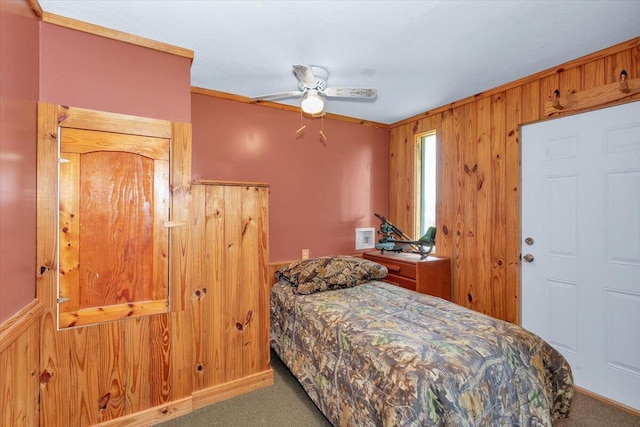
(88, 71)
(18, 97)
(52, 64)
(320, 191)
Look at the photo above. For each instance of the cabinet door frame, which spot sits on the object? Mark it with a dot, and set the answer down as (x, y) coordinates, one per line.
(52, 120)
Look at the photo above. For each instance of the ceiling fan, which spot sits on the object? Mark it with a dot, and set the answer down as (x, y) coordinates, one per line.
(312, 86)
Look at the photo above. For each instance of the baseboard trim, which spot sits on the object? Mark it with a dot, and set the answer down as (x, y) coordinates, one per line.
(13, 327)
(157, 414)
(610, 402)
(218, 393)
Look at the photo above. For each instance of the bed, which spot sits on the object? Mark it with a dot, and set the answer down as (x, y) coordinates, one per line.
(369, 353)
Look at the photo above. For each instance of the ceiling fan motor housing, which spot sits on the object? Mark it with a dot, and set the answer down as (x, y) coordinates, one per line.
(321, 75)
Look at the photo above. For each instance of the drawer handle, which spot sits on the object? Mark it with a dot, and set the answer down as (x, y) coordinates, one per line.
(393, 268)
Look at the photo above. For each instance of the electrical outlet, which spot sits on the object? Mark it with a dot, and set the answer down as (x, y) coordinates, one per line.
(305, 254)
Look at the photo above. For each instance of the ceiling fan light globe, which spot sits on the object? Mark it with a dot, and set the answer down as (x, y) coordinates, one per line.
(312, 103)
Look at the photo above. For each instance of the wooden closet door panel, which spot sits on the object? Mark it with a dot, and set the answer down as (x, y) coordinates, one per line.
(114, 201)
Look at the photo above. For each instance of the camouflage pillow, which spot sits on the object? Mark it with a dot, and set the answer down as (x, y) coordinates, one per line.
(330, 272)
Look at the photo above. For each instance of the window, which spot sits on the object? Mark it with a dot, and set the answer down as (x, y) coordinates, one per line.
(426, 182)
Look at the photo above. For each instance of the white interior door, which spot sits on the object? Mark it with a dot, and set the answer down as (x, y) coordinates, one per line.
(581, 213)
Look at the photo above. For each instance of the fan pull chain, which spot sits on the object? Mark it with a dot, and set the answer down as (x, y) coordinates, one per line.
(302, 127)
(321, 130)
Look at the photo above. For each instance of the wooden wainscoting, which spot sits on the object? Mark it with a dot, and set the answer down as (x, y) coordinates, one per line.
(20, 367)
(148, 369)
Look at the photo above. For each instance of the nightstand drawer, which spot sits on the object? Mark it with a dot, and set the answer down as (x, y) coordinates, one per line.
(397, 268)
(403, 282)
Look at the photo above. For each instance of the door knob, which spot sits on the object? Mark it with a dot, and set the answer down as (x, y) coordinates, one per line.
(528, 258)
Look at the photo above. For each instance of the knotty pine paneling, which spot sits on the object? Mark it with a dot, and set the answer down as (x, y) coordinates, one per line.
(140, 371)
(478, 206)
(19, 367)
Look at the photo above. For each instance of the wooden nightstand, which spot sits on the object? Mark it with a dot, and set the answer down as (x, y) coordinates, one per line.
(429, 276)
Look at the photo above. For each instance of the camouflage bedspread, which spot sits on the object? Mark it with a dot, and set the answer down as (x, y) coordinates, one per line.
(377, 354)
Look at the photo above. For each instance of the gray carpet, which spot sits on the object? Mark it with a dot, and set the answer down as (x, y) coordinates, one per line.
(285, 404)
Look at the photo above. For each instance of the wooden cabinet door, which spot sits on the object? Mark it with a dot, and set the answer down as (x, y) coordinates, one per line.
(114, 202)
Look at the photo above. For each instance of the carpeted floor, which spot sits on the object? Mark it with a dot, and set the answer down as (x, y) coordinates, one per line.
(285, 404)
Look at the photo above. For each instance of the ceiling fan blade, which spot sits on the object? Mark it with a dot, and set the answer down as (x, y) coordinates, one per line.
(350, 92)
(279, 95)
(305, 75)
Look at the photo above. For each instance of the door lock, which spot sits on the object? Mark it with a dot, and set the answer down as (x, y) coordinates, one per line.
(528, 258)
(528, 241)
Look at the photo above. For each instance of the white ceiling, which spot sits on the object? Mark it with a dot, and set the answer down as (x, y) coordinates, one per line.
(418, 54)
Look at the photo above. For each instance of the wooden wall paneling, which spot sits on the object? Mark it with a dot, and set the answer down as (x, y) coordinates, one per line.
(180, 291)
(531, 102)
(218, 333)
(512, 105)
(231, 283)
(512, 161)
(593, 74)
(19, 368)
(182, 363)
(111, 372)
(157, 361)
(140, 378)
(495, 299)
(229, 223)
(468, 208)
(547, 87)
(485, 206)
(446, 197)
(570, 81)
(56, 375)
(199, 301)
(264, 294)
(249, 279)
(457, 215)
(402, 213)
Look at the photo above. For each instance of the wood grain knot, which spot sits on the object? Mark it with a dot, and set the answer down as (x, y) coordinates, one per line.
(445, 230)
(200, 367)
(45, 377)
(248, 318)
(43, 269)
(104, 401)
(239, 326)
(246, 225)
(470, 297)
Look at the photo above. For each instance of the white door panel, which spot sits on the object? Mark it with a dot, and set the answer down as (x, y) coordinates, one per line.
(581, 208)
